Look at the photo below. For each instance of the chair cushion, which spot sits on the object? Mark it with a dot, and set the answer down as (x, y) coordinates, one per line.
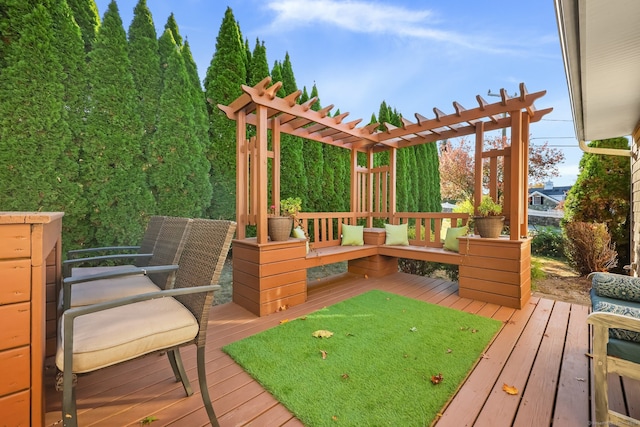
(625, 308)
(616, 286)
(352, 235)
(396, 235)
(451, 242)
(88, 293)
(88, 271)
(115, 335)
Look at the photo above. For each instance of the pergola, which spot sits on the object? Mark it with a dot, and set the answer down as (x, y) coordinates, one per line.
(260, 107)
(373, 188)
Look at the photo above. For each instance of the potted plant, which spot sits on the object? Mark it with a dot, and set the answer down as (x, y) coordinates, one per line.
(489, 222)
(280, 226)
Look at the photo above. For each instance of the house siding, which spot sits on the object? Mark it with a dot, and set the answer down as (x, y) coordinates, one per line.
(635, 200)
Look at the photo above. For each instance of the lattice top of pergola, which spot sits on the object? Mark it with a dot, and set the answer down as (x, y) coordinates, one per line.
(301, 120)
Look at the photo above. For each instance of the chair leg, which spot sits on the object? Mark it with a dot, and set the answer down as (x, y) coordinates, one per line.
(69, 411)
(204, 390)
(178, 370)
(174, 365)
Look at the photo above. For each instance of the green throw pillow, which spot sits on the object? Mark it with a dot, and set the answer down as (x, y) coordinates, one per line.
(396, 234)
(451, 242)
(352, 235)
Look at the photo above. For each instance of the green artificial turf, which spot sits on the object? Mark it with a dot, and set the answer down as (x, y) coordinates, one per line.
(379, 362)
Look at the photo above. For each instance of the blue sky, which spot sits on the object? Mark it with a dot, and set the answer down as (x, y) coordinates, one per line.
(415, 55)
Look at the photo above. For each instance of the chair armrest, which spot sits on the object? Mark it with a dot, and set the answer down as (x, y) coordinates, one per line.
(69, 281)
(67, 265)
(71, 254)
(613, 320)
(70, 315)
(131, 271)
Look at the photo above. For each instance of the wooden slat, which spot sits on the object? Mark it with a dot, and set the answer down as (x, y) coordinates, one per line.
(572, 400)
(539, 396)
(500, 408)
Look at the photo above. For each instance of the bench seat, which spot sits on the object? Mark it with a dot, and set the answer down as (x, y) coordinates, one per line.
(333, 254)
(421, 253)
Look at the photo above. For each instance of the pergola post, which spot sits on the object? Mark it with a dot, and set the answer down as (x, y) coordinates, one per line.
(261, 174)
(393, 156)
(516, 179)
(242, 175)
(477, 189)
(354, 181)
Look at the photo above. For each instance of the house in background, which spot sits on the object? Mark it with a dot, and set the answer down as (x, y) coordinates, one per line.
(600, 42)
(548, 197)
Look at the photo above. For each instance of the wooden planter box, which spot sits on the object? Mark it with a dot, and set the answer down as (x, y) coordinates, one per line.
(269, 277)
(496, 270)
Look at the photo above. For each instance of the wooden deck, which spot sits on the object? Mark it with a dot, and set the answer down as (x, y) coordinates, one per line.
(541, 350)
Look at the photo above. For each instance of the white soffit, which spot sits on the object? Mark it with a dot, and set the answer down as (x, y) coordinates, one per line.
(601, 47)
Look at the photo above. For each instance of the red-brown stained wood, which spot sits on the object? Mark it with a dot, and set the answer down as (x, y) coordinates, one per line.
(501, 407)
(16, 276)
(16, 241)
(15, 409)
(538, 398)
(572, 397)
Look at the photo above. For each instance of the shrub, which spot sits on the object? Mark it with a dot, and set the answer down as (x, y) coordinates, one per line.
(549, 242)
(589, 247)
(537, 273)
(426, 268)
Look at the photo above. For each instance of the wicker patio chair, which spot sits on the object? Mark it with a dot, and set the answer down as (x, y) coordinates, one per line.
(121, 281)
(141, 257)
(101, 335)
(615, 318)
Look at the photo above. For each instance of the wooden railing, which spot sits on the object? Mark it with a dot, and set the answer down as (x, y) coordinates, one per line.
(325, 228)
(425, 228)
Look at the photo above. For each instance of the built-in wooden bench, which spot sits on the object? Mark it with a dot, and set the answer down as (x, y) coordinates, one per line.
(272, 276)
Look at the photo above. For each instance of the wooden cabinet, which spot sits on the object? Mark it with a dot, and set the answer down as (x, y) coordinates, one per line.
(30, 255)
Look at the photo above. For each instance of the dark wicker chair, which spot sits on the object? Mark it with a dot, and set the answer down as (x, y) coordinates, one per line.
(141, 256)
(92, 285)
(105, 334)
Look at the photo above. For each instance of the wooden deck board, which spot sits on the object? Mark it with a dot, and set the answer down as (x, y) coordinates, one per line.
(572, 398)
(540, 350)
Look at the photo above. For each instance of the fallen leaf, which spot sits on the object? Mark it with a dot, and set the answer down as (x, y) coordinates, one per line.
(366, 276)
(484, 356)
(322, 334)
(345, 376)
(324, 354)
(509, 389)
(449, 350)
(413, 329)
(473, 331)
(436, 379)
(284, 321)
(334, 418)
(580, 379)
(148, 420)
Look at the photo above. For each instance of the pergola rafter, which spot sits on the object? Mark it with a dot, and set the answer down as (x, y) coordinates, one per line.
(260, 106)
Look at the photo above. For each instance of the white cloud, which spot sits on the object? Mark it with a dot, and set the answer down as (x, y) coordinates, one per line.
(360, 16)
(353, 15)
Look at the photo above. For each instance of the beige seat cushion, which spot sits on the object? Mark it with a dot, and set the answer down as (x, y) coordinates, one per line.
(112, 336)
(109, 289)
(88, 271)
